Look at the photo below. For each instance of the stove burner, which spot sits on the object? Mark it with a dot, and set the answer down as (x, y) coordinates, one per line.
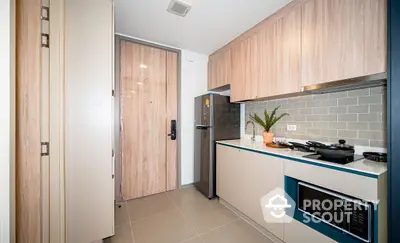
(341, 161)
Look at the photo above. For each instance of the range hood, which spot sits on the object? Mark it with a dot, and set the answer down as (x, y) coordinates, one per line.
(368, 81)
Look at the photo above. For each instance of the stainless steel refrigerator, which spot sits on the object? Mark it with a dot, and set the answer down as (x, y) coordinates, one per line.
(215, 119)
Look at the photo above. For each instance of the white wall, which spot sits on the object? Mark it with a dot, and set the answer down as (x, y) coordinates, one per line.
(193, 83)
(5, 122)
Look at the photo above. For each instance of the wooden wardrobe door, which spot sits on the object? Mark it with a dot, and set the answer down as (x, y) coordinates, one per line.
(28, 85)
(143, 120)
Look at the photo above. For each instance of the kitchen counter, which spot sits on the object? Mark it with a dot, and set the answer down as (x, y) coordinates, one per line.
(248, 172)
(362, 167)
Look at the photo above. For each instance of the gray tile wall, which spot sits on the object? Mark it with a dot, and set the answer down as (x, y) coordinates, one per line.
(357, 116)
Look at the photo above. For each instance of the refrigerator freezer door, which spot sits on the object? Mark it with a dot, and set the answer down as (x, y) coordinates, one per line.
(203, 160)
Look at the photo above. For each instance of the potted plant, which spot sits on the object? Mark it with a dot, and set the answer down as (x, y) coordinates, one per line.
(267, 123)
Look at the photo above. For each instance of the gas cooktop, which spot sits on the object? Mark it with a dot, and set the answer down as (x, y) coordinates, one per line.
(341, 161)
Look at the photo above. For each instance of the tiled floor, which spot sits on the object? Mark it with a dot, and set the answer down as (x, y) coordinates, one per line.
(180, 216)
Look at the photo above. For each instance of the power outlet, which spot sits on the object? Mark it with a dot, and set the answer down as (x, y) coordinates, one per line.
(291, 127)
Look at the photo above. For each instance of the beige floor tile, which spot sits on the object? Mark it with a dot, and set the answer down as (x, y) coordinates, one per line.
(149, 206)
(123, 234)
(206, 215)
(185, 196)
(121, 214)
(235, 232)
(166, 227)
(194, 240)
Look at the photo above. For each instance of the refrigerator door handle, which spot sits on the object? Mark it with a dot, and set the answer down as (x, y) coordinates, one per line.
(204, 127)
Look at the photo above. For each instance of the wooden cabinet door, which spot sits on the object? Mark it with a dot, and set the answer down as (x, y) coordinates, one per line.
(246, 57)
(287, 54)
(267, 84)
(212, 73)
(238, 73)
(332, 40)
(219, 69)
(224, 68)
(255, 65)
(375, 36)
(281, 56)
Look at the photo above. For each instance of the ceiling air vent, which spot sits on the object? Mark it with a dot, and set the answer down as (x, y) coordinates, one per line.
(178, 7)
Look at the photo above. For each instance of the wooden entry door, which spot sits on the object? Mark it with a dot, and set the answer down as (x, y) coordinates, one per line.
(148, 104)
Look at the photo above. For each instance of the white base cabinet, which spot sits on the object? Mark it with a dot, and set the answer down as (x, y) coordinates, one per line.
(296, 232)
(244, 177)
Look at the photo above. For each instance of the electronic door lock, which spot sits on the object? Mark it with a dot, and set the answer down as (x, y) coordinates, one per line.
(173, 130)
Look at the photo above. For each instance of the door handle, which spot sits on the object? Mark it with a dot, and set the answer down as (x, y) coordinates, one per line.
(202, 127)
(173, 130)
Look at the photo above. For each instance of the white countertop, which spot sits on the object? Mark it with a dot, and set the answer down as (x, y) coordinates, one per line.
(363, 165)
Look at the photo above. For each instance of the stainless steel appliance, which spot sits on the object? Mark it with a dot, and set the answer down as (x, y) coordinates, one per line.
(353, 217)
(215, 119)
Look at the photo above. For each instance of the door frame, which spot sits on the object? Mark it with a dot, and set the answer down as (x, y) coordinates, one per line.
(57, 218)
(393, 118)
(117, 110)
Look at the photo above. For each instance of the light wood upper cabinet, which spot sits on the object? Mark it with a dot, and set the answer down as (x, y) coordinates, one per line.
(268, 63)
(342, 39)
(247, 73)
(219, 73)
(375, 36)
(238, 73)
(288, 53)
(243, 87)
(267, 84)
(281, 56)
(308, 42)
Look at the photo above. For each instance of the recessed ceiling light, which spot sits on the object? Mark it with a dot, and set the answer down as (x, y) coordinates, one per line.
(179, 8)
(143, 66)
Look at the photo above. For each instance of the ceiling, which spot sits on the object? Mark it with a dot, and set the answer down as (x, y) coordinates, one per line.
(209, 25)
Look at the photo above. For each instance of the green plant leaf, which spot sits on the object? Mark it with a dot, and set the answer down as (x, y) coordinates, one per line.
(267, 118)
(271, 122)
(278, 118)
(258, 120)
(274, 112)
(270, 119)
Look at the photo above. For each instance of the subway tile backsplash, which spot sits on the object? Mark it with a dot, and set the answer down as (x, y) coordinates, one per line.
(357, 116)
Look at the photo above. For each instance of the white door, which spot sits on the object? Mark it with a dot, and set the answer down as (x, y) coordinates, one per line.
(89, 80)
